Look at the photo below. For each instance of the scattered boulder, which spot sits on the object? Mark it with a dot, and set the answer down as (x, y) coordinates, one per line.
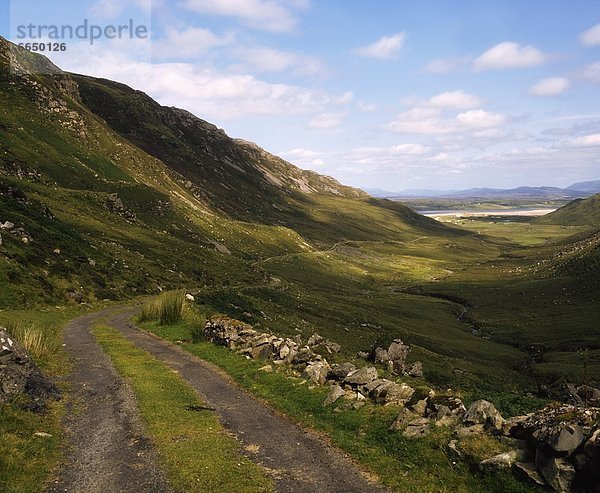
(7, 225)
(340, 372)
(362, 376)
(20, 376)
(527, 471)
(484, 412)
(334, 394)
(317, 372)
(417, 428)
(503, 461)
(557, 472)
(415, 370)
(402, 420)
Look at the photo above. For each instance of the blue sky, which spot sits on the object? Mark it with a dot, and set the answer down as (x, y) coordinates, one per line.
(389, 94)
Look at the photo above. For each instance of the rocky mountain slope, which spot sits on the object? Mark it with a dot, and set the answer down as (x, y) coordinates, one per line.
(99, 185)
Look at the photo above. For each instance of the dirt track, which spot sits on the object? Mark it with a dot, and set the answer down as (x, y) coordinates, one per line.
(298, 461)
(108, 451)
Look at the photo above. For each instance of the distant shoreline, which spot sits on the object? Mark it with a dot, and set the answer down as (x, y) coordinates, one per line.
(504, 212)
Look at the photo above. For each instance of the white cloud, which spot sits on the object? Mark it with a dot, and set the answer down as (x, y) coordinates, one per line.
(345, 98)
(327, 120)
(205, 91)
(455, 99)
(480, 119)
(366, 107)
(387, 47)
(551, 86)
(591, 73)
(301, 153)
(588, 140)
(269, 15)
(264, 59)
(509, 55)
(429, 121)
(190, 42)
(591, 37)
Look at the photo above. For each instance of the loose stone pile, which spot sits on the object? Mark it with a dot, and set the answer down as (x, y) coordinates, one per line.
(557, 447)
(354, 385)
(20, 378)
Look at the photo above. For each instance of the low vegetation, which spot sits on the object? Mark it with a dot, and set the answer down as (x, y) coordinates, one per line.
(400, 463)
(165, 309)
(198, 455)
(30, 444)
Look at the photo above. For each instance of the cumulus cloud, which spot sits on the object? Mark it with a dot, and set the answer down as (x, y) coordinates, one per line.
(429, 121)
(455, 99)
(269, 15)
(591, 37)
(327, 120)
(387, 47)
(549, 87)
(263, 59)
(509, 55)
(588, 140)
(206, 91)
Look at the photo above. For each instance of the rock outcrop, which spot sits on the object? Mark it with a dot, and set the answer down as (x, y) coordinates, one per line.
(20, 378)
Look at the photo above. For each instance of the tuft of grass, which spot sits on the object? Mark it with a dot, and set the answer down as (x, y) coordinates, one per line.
(37, 343)
(167, 308)
(197, 453)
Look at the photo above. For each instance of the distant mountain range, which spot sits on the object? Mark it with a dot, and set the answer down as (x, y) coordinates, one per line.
(577, 190)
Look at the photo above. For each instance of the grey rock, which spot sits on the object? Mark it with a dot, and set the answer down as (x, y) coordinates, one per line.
(567, 438)
(315, 340)
(455, 450)
(527, 471)
(396, 393)
(317, 372)
(484, 412)
(415, 370)
(402, 420)
(467, 431)
(20, 376)
(7, 225)
(334, 394)
(503, 461)
(362, 376)
(340, 372)
(420, 407)
(417, 428)
(557, 472)
(381, 355)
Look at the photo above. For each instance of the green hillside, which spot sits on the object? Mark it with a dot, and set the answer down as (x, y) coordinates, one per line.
(113, 196)
(579, 212)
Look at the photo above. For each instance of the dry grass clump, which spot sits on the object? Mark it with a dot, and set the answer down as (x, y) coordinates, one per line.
(32, 338)
(166, 309)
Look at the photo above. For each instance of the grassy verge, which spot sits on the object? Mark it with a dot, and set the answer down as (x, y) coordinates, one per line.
(198, 454)
(401, 464)
(27, 459)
